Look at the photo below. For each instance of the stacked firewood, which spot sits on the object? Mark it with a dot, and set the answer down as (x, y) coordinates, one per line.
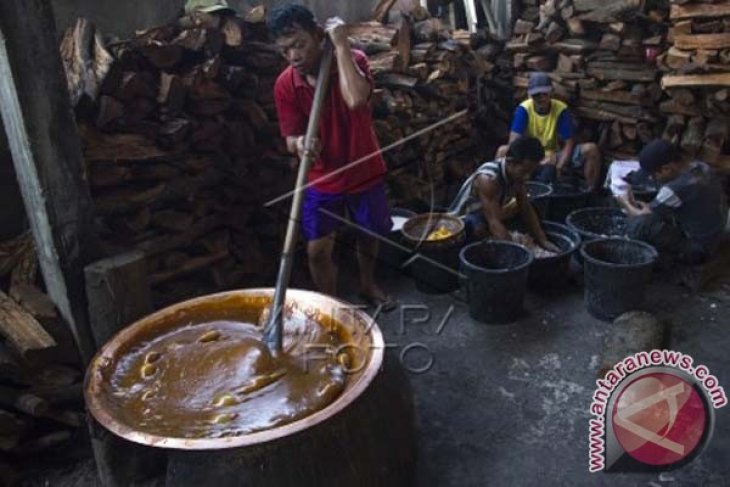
(425, 74)
(41, 394)
(697, 80)
(600, 56)
(182, 149)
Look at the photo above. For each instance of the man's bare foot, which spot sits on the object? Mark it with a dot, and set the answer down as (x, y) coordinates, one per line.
(378, 299)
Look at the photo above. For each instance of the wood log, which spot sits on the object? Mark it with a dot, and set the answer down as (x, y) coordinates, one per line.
(699, 10)
(22, 331)
(677, 59)
(156, 197)
(110, 110)
(43, 443)
(523, 27)
(606, 74)
(11, 424)
(611, 42)
(164, 244)
(616, 96)
(613, 11)
(25, 272)
(554, 33)
(671, 81)
(565, 64)
(192, 265)
(162, 55)
(576, 27)
(209, 41)
(674, 128)
(23, 402)
(172, 220)
(693, 136)
(381, 10)
(233, 32)
(702, 41)
(135, 85)
(403, 45)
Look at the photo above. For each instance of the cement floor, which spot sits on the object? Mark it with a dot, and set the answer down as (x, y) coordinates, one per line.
(509, 405)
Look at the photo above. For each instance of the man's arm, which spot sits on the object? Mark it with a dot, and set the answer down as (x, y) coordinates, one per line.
(528, 214)
(488, 190)
(354, 84)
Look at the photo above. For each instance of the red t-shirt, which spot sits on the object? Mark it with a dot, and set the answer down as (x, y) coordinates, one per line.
(346, 135)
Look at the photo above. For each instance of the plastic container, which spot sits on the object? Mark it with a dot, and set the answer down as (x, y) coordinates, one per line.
(495, 279)
(539, 196)
(565, 199)
(617, 273)
(551, 273)
(434, 267)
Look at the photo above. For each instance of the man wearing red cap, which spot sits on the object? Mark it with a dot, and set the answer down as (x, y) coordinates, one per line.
(549, 120)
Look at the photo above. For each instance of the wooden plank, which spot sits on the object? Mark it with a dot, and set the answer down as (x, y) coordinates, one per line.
(702, 41)
(699, 10)
(118, 294)
(625, 97)
(46, 150)
(622, 74)
(22, 331)
(672, 81)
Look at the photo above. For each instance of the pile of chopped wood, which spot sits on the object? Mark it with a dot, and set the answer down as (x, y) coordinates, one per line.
(182, 148)
(41, 390)
(425, 74)
(697, 79)
(600, 56)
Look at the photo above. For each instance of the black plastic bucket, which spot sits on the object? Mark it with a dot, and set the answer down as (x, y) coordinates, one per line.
(565, 199)
(434, 267)
(593, 223)
(550, 274)
(617, 273)
(394, 253)
(495, 279)
(539, 196)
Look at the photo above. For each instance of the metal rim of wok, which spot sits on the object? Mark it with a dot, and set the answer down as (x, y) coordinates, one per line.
(651, 252)
(496, 243)
(354, 389)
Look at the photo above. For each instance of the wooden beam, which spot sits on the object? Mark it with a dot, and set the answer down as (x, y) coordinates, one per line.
(698, 10)
(118, 294)
(46, 150)
(703, 41)
(673, 81)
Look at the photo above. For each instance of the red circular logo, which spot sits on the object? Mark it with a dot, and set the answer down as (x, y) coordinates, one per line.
(659, 419)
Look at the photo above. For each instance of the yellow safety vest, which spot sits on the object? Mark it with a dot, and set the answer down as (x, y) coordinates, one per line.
(544, 127)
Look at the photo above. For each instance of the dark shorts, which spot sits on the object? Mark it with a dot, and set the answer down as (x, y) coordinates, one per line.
(549, 174)
(325, 213)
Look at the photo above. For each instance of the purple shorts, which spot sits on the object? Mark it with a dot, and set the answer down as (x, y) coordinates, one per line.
(324, 213)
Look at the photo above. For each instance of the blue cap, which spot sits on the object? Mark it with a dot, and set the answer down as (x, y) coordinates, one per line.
(539, 83)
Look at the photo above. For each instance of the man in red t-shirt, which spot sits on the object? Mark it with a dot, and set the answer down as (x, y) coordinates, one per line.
(347, 177)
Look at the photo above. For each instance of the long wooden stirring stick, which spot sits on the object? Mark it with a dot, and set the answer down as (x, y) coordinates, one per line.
(274, 331)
